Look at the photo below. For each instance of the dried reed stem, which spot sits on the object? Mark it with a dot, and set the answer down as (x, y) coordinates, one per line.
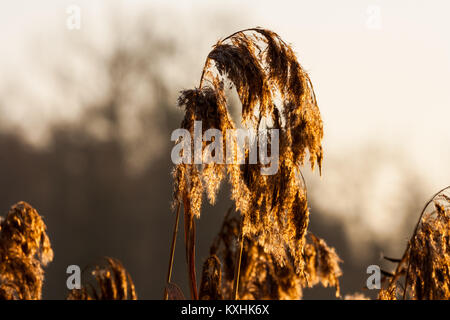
(237, 269)
(190, 254)
(172, 250)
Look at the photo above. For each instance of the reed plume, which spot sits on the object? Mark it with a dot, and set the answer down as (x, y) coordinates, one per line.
(211, 283)
(113, 282)
(261, 277)
(423, 273)
(275, 92)
(24, 249)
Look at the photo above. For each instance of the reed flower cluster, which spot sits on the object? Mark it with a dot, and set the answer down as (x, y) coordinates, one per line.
(423, 273)
(275, 92)
(24, 250)
(113, 282)
(261, 277)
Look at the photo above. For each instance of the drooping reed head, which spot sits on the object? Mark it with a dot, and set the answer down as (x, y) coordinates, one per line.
(275, 93)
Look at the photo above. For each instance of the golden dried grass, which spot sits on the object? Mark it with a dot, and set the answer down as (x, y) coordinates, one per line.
(423, 273)
(113, 282)
(24, 249)
(261, 276)
(274, 210)
(267, 247)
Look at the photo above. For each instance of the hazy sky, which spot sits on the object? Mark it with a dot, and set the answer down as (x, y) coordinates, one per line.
(389, 82)
(380, 69)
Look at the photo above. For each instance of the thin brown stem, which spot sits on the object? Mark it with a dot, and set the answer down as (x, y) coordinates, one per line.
(191, 261)
(237, 268)
(203, 72)
(172, 250)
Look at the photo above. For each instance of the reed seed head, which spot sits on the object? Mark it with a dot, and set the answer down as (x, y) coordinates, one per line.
(113, 282)
(24, 249)
(272, 86)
